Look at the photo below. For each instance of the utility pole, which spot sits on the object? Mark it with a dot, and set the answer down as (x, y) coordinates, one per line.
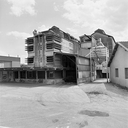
(106, 65)
(90, 66)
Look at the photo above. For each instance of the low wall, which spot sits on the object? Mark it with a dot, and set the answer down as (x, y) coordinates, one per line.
(44, 81)
(29, 80)
(54, 81)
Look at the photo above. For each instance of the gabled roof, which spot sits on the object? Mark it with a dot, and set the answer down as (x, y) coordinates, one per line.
(124, 45)
(103, 33)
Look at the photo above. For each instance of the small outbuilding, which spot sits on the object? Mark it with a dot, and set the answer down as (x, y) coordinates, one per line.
(118, 64)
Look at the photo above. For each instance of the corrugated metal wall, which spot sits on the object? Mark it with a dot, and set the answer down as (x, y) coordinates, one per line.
(83, 67)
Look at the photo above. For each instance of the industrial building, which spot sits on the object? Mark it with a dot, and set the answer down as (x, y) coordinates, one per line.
(102, 55)
(54, 57)
(7, 62)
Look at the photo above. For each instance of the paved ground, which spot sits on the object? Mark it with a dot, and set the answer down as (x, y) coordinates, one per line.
(93, 105)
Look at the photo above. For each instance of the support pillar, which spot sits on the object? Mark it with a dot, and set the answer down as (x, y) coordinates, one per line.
(25, 74)
(19, 75)
(45, 76)
(36, 76)
(106, 65)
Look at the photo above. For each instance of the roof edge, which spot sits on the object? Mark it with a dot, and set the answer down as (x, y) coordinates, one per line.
(123, 46)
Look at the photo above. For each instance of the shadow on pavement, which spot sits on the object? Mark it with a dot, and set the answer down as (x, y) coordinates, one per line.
(32, 85)
(116, 89)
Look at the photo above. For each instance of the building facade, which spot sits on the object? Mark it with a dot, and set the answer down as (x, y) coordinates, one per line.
(54, 57)
(95, 40)
(118, 64)
(42, 45)
(8, 62)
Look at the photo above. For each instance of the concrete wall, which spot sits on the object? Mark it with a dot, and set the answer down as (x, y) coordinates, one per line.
(8, 62)
(120, 61)
(86, 44)
(67, 46)
(15, 64)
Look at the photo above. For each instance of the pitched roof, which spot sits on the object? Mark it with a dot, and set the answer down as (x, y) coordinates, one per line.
(103, 33)
(100, 31)
(124, 45)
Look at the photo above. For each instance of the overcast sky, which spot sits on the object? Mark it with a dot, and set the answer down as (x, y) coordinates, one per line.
(18, 19)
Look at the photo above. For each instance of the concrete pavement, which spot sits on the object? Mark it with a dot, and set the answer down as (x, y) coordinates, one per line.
(92, 105)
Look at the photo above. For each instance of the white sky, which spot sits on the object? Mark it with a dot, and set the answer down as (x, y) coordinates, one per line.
(18, 18)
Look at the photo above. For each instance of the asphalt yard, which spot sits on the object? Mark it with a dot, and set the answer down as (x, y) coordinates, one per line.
(90, 105)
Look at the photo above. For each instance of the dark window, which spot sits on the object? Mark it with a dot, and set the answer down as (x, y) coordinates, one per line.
(126, 73)
(30, 48)
(116, 72)
(41, 74)
(49, 58)
(29, 41)
(22, 74)
(16, 74)
(30, 60)
(49, 74)
(31, 74)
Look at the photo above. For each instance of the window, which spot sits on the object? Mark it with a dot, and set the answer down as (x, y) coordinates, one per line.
(126, 73)
(49, 58)
(116, 72)
(30, 60)
(30, 48)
